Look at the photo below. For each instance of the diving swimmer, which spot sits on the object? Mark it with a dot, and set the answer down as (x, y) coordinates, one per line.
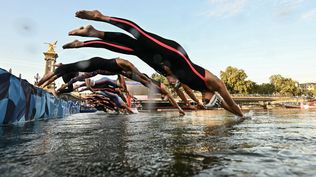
(166, 56)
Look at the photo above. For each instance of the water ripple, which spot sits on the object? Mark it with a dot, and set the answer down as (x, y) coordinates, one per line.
(202, 143)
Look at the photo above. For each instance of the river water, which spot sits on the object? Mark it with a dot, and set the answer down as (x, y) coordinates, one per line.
(202, 143)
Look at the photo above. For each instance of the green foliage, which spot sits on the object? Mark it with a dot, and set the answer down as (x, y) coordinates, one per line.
(160, 78)
(285, 86)
(235, 80)
(310, 93)
(236, 83)
(164, 80)
(264, 88)
(314, 91)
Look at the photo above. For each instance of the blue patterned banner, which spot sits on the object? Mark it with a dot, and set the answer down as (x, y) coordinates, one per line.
(21, 101)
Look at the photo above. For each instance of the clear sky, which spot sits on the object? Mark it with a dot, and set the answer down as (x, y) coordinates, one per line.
(262, 37)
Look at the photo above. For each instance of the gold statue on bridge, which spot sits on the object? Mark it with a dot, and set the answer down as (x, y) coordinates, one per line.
(50, 60)
(51, 47)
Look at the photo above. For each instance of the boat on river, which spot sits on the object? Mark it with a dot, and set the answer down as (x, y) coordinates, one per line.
(302, 105)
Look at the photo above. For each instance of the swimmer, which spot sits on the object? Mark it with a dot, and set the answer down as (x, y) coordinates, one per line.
(110, 66)
(161, 54)
(107, 84)
(109, 94)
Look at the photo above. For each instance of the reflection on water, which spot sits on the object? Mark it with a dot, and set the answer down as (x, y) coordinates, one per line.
(203, 143)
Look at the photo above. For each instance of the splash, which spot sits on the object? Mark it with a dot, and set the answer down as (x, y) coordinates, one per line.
(152, 94)
(249, 114)
(229, 122)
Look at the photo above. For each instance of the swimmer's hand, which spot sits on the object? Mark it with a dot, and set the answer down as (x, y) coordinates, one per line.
(181, 112)
(200, 106)
(62, 87)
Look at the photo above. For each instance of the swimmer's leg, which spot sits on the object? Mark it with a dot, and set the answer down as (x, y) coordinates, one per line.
(114, 41)
(124, 24)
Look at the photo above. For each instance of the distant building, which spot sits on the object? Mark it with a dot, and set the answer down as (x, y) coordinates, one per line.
(140, 91)
(308, 86)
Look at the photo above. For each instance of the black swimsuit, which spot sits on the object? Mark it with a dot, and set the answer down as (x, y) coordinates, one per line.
(66, 78)
(154, 50)
(90, 65)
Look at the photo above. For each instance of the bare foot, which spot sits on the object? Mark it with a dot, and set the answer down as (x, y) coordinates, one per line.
(87, 31)
(73, 44)
(89, 15)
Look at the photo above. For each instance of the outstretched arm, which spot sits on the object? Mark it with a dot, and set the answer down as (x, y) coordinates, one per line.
(189, 91)
(164, 90)
(78, 78)
(122, 82)
(47, 79)
(88, 84)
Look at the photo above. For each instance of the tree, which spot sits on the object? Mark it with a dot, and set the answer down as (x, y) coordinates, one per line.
(314, 91)
(264, 88)
(235, 80)
(310, 92)
(160, 78)
(284, 86)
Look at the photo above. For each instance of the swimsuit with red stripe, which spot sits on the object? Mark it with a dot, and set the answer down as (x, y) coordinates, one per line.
(153, 50)
(122, 43)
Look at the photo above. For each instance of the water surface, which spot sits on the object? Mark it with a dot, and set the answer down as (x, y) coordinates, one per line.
(203, 143)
